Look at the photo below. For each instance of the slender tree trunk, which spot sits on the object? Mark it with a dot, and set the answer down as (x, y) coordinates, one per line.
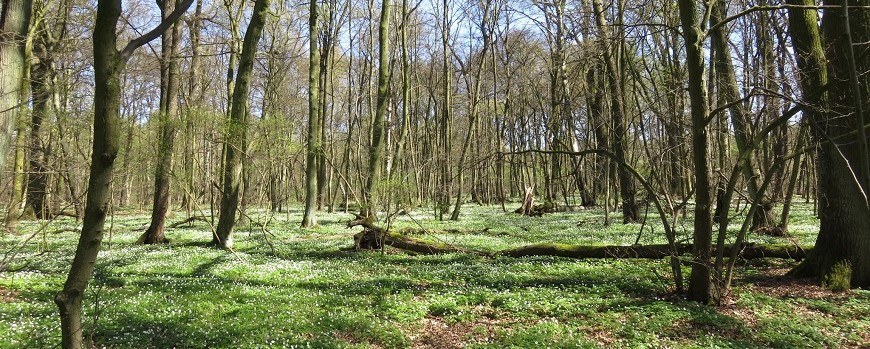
(630, 211)
(323, 84)
(167, 119)
(728, 93)
(309, 218)
(107, 93)
(700, 283)
(108, 66)
(195, 96)
(406, 88)
(376, 148)
(475, 102)
(238, 129)
(126, 189)
(443, 189)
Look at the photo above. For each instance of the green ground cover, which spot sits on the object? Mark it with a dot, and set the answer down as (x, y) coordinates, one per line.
(307, 293)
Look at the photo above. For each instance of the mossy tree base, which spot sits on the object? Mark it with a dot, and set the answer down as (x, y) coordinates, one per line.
(831, 273)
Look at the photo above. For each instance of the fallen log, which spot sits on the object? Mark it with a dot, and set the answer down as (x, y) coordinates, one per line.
(749, 251)
(374, 237)
(581, 251)
(188, 221)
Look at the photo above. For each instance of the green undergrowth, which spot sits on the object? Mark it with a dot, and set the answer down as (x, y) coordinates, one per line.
(289, 287)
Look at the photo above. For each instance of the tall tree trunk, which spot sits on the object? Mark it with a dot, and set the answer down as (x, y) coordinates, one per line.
(700, 283)
(475, 103)
(729, 93)
(195, 96)
(15, 16)
(37, 180)
(19, 178)
(237, 130)
(376, 148)
(844, 234)
(107, 93)
(108, 66)
(406, 90)
(166, 119)
(442, 195)
(630, 211)
(309, 218)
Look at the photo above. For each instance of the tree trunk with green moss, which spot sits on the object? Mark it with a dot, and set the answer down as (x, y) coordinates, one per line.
(15, 16)
(843, 244)
(18, 181)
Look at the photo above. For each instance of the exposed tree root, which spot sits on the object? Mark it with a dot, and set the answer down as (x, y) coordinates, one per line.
(537, 210)
(374, 238)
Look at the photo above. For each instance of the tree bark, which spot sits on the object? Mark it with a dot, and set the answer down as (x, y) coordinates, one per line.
(844, 233)
(309, 218)
(19, 113)
(107, 71)
(630, 211)
(109, 64)
(728, 93)
(237, 131)
(37, 180)
(700, 283)
(15, 16)
(166, 118)
(376, 147)
(475, 105)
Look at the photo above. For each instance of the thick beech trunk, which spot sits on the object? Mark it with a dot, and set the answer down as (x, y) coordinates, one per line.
(16, 111)
(844, 234)
(16, 17)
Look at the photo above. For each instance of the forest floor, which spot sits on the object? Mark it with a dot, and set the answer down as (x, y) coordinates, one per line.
(307, 293)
